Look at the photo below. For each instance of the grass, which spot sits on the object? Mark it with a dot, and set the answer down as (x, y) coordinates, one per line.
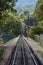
(40, 48)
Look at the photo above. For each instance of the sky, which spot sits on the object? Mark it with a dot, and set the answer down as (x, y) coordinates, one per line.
(24, 2)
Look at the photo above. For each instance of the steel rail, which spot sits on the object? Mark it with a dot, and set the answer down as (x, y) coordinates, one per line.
(23, 54)
(14, 60)
(33, 58)
(13, 63)
(15, 54)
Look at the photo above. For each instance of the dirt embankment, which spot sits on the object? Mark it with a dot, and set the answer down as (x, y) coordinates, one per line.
(8, 47)
(7, 53)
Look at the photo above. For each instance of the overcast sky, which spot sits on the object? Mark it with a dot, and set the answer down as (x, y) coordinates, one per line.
(24, 2)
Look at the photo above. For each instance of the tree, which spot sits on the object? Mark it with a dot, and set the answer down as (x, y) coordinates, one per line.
(27, 21)
(36, 30)
(39, 10)
(12, 25)
(5, 7)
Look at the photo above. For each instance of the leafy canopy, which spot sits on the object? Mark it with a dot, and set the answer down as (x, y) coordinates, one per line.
(36, 30)
(39, 10)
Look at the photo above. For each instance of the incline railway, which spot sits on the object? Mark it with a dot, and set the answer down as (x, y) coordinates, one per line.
(22, 54)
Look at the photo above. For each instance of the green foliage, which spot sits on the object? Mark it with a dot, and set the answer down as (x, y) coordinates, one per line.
(40, 23)
(12, 25)
(22, 16)
(16, 25)
(36, 30)
(9, 23)
(38, 13)
(5, 6)
(39, 10)
(26, 20)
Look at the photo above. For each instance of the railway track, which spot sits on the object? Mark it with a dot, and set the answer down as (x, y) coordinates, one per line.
(22, 55)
